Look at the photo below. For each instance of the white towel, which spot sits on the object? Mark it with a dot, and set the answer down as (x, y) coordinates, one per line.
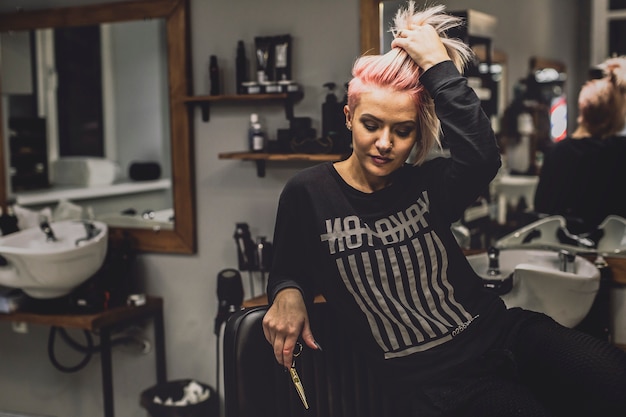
(84, 171)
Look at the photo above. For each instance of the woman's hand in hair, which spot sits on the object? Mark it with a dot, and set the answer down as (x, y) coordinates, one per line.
(423, 44)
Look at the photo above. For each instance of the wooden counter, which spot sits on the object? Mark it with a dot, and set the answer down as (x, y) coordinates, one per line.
(103, 322)
(261, 300)
(618, 269)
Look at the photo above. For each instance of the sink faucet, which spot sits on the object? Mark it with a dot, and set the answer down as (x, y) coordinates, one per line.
(565, 236)
(493, 254)
(45, 227)
(567, 261)
(91, 231)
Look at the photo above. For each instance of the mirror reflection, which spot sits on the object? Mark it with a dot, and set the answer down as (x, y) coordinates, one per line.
(138, 131)
(86, 117)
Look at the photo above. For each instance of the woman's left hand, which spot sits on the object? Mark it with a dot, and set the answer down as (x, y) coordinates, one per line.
(423, 44)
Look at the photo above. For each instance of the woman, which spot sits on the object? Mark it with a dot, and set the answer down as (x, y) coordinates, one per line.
(583, 175)
(372, 234)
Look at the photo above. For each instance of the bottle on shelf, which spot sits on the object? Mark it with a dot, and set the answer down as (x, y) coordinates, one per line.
(256, 134)
(214, 76)
(241, 68)
(334, 121)
(8, 221)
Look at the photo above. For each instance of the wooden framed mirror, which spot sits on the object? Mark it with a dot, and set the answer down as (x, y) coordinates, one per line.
(370, 23)
(181, 237)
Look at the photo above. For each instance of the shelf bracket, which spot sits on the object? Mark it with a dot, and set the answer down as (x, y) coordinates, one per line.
(205, 108)
(289, 108)
(289, 103)
(260, 168)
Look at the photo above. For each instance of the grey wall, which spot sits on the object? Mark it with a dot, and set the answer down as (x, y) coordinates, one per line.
(325, 43)
(16, 61)
(140, 53)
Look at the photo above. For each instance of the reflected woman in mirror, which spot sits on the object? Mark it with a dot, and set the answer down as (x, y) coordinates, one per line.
(583, 176)
(372, 234)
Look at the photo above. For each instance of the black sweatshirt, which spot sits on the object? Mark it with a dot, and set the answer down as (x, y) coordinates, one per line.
(581, 179)
(387, 262)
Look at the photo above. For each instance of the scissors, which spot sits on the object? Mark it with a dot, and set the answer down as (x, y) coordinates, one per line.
(295, 378)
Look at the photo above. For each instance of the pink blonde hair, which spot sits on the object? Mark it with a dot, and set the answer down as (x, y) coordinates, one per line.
(602, 102)
(616, 66)
(397, 71)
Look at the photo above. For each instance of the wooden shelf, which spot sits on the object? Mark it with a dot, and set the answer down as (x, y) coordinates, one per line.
(288, 99)
(89, 321)
(258, 156)
(244, 97)
(261, 157)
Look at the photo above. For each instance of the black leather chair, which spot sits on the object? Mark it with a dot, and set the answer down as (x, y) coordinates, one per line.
(336, 381)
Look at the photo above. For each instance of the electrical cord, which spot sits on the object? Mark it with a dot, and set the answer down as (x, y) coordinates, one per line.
(217, 366)
(89, 349)
(78, 366)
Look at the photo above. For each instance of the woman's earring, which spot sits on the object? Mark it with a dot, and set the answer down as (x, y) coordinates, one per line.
(349, 126)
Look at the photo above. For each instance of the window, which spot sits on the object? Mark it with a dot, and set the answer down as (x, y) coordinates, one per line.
(79, 91)
(608, 29)
(617, 37)
(617, 4)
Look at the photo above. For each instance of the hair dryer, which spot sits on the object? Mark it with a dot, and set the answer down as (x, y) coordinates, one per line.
(229, 295)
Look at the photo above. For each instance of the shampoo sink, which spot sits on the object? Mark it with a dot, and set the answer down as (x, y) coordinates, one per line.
(552, 233)
(48, 268)
(545, 281)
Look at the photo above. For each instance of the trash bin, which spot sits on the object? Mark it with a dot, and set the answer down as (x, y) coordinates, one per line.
(179, 398)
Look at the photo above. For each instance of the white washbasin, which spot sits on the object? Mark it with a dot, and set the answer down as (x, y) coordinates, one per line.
(544, 234)
(516, 186)
(613, 240)
(509, 189)
(47, 269)
(539, 284)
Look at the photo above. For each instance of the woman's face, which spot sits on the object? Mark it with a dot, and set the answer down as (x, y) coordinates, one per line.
(384, 130)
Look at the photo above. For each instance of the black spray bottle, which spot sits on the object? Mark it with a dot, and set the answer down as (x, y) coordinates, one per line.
(334, 121)
(8, 221)
(214, 76)
(246, 251)
(245, 247)
(241, 68)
